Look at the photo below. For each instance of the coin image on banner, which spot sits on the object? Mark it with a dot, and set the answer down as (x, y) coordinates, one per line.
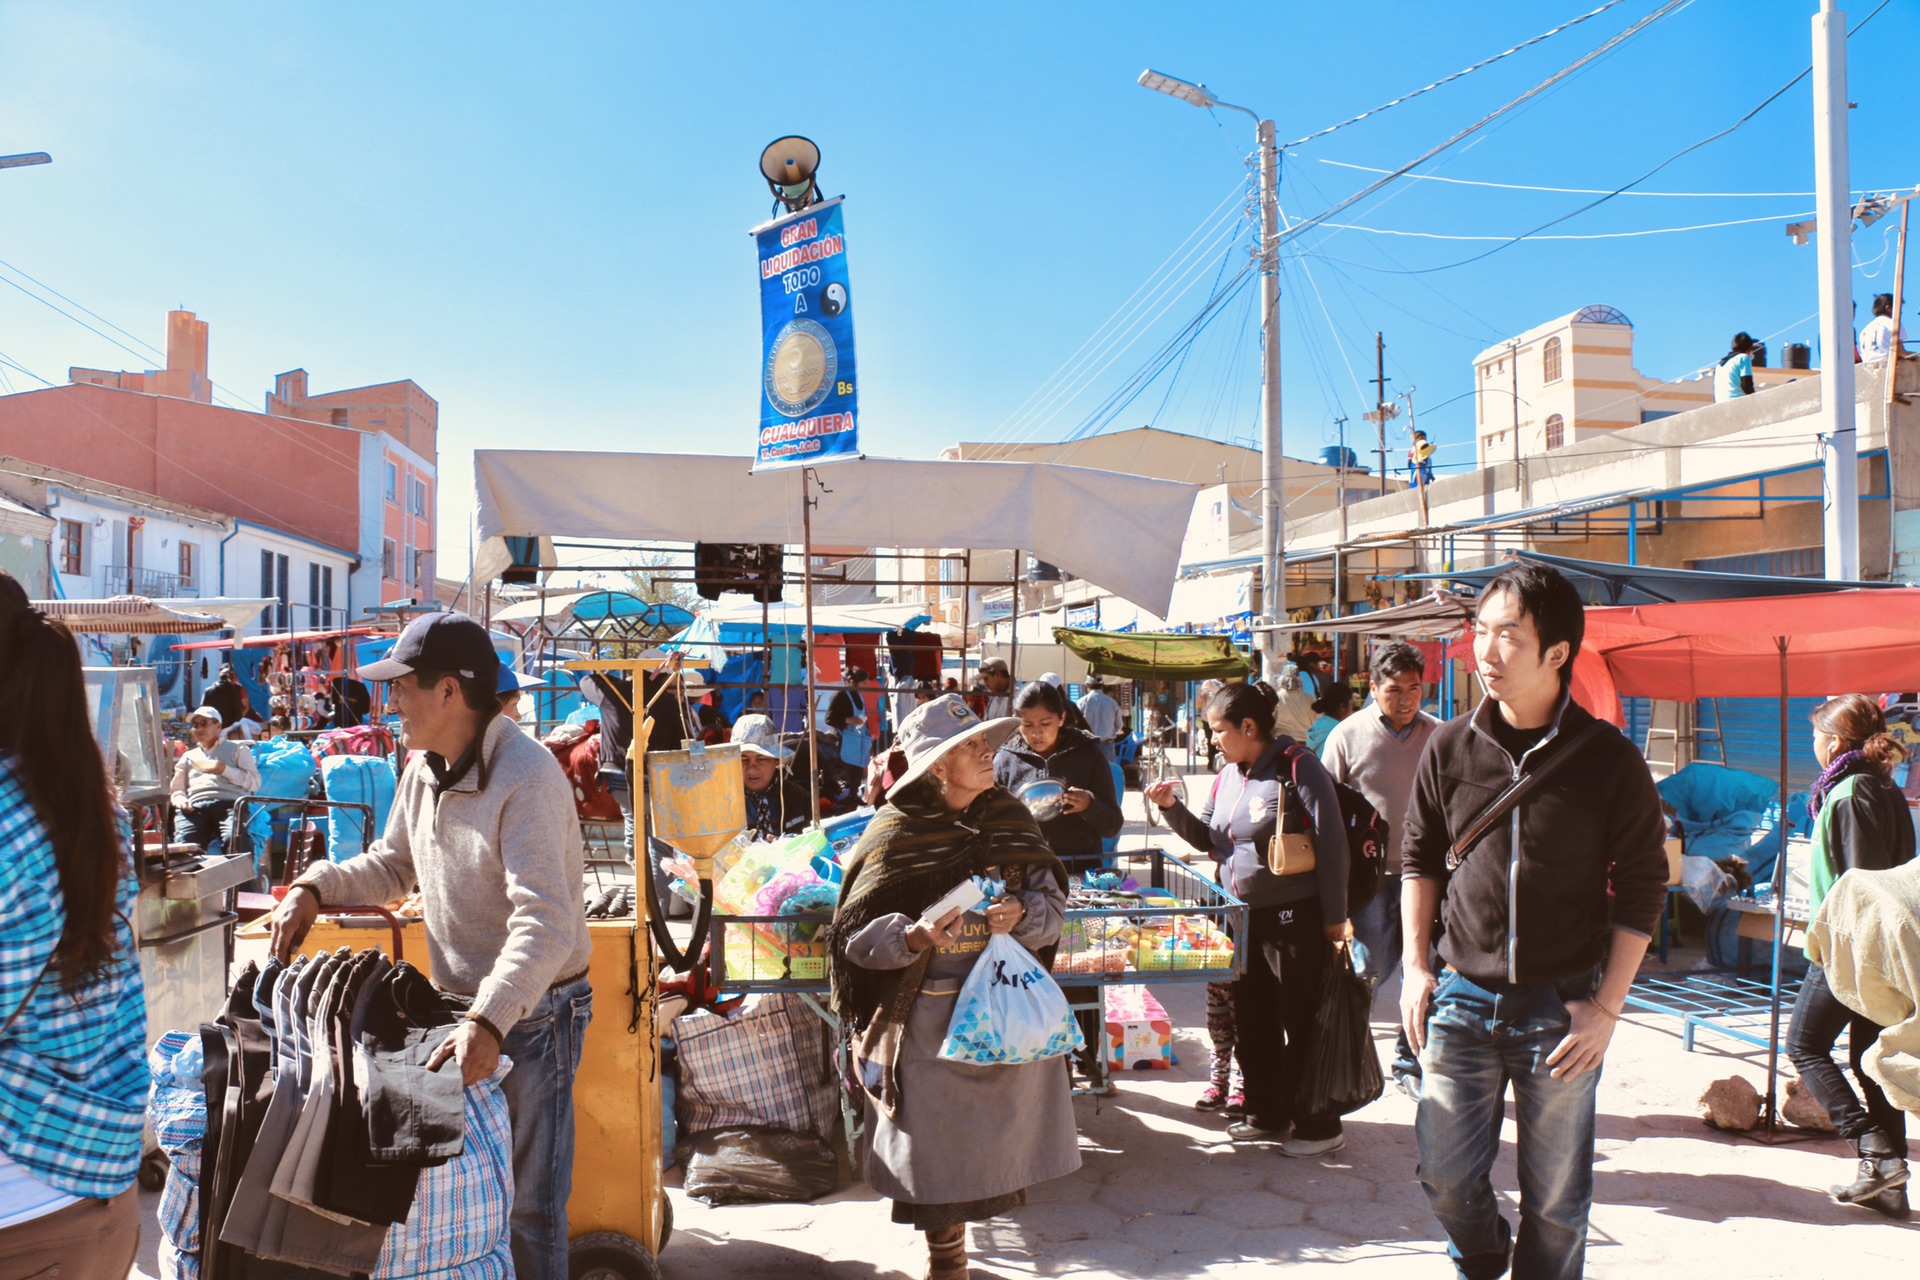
(833, 299)
(800, 368)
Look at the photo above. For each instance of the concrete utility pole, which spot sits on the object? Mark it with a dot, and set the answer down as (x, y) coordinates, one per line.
(1273, 538)
(1834, 213)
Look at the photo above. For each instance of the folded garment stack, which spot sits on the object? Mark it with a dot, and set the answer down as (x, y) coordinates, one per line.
(321, 1131)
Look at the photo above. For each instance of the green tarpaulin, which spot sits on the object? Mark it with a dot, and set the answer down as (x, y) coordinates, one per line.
(1156, 655)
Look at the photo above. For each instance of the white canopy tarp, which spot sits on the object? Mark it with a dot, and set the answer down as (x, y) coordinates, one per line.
(1199, 601)
(1121, 532)
(239, 611)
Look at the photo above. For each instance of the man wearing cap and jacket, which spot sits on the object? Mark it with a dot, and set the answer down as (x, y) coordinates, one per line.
(483, 820)
(211, 777)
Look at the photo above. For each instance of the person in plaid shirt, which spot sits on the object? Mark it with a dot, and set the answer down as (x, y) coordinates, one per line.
(73, 1071)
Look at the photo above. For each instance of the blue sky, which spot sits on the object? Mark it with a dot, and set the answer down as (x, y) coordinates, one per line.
(540, 213)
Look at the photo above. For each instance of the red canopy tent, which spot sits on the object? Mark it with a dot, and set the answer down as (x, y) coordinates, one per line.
(1778, 646)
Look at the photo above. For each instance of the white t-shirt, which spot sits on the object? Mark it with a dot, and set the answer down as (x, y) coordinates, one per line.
(1726, 378)
(1876, 340)
(24, 1197)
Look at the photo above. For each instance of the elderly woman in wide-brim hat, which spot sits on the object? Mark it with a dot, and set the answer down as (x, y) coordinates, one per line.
(950, 1142)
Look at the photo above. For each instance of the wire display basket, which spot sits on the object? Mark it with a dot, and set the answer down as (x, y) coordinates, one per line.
(1177, 925)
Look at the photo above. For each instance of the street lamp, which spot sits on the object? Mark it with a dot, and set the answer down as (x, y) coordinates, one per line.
(1273, 538)
(22, 161)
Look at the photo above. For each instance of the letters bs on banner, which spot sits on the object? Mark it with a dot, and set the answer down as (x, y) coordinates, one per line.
(808, 392)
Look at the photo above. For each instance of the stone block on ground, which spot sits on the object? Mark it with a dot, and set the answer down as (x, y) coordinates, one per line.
(1732, 1103)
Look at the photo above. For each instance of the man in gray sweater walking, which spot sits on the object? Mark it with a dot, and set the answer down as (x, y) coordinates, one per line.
(1376, 751)
(484, 822)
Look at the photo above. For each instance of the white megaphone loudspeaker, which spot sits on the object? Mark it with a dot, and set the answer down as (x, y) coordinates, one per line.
(790, 166)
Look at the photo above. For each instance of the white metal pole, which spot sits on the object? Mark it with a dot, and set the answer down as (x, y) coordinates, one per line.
(1273, 537)
(1833, 201)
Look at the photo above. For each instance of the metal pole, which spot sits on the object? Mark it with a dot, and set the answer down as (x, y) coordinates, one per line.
(1380, 402)
(1273, 536)
(1779, 908)
(966, 610)
(1834, 214)
(806, 592)
(1013, 650)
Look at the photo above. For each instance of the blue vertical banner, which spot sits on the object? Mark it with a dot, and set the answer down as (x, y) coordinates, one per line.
(808, 392)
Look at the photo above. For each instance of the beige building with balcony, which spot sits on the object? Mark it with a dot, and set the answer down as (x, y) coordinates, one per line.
(1573, 379)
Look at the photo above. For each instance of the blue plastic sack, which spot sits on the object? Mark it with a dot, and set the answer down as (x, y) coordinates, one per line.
(286, 768)
(364, 780)
(1010, 1011)
(1704, 793)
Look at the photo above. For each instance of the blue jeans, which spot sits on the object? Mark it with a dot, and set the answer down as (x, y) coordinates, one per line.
(1479, 1041)
(1377, 935)
(545, 1049)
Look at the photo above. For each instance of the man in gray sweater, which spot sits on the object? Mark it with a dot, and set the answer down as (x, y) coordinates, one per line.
(1376, 751)
(484, 821)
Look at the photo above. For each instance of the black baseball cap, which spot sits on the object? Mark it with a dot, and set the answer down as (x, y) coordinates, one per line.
(450, 642)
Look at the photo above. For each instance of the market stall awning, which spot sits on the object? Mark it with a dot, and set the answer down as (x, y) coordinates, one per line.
(1151, 656)
(1440, 614)
(594, 607)
(1209, 599)
(740, 626)
(1603, 583)
(131, 616)
(1774, 647)
(280, 637)
(1121, 532)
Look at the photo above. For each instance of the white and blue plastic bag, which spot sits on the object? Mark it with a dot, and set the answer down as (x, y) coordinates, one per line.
(1010, 1011)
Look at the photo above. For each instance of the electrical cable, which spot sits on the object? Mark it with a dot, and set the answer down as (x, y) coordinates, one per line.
(1586, 191)
(1484, 62)
(1206, 231)
(1594, 235)
(1602, 50)
(1125, 394)
(1768, 101)
(1066, 394)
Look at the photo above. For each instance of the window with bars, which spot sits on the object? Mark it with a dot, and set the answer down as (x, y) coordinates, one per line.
(1556, 431)
(1550, 362)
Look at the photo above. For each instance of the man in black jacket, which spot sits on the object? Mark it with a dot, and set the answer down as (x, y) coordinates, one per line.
(1538, 958)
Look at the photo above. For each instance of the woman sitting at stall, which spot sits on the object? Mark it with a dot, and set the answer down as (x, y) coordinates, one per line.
(1292, 920)
(73, 1041)
(1860, 823)
(777, 802)
(950, 1142)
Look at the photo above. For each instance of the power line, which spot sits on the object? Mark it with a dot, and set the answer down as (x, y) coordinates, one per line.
(1592, 235)
(1580, 191)
(1605, 48)
(1766, 102)
(1020, 420)
(1484, 62)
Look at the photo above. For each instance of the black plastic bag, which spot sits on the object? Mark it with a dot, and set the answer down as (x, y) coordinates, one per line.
(1342, 1072)
(759, 1164)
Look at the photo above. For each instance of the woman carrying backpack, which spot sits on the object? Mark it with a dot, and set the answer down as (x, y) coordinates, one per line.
(1272, 785)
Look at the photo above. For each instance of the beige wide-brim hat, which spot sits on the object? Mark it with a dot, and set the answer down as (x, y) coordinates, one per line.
(939, 726)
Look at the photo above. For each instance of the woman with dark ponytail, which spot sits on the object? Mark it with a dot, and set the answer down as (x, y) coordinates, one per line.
(73, 1074)
(1860, 822)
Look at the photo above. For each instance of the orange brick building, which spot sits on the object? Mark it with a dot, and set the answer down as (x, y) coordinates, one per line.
(353, 470)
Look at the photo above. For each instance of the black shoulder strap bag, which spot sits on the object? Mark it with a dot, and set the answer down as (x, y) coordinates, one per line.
(1526, 783)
